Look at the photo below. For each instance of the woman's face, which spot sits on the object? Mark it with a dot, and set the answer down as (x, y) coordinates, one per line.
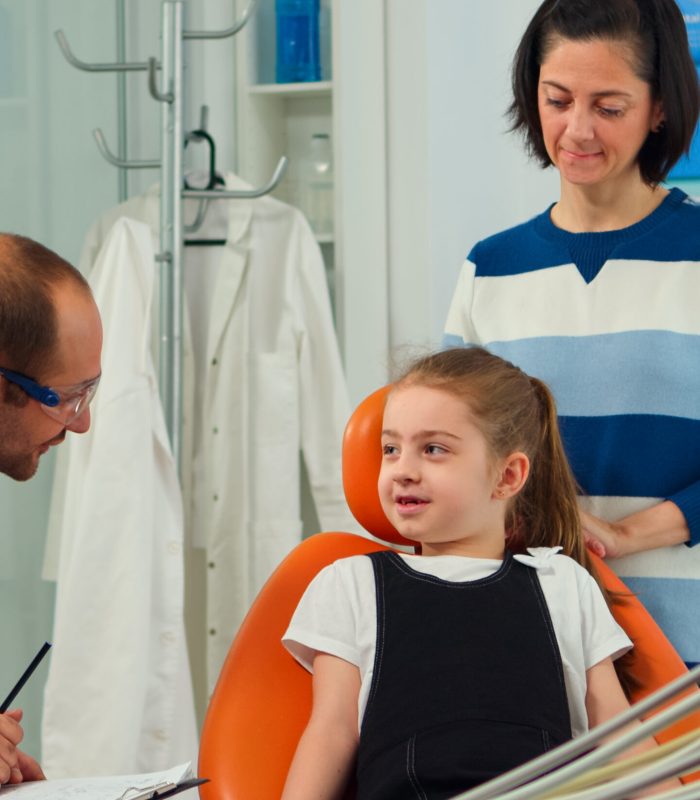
(595, 111)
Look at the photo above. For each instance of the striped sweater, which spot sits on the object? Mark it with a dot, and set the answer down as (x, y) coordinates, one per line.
(611, 322)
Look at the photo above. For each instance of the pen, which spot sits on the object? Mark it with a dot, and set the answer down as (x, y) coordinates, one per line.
(25, 677)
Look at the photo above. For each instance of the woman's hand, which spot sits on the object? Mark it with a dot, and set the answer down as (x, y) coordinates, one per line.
(661, 525)
(605, 539)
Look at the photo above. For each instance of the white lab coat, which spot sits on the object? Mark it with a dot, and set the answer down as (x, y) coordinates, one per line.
(263, 381)
(119, 696)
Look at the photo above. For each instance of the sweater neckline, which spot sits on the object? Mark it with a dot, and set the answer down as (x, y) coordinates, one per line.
(669, 204)
(590, 250)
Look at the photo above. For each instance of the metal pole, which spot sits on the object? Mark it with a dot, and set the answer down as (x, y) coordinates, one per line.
(171, 294)
(121, 100)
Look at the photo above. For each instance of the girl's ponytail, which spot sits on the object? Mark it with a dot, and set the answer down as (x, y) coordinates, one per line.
(547, 508)
(551, 492)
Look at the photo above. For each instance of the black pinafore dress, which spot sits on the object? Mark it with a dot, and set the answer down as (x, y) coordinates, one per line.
(468, 681)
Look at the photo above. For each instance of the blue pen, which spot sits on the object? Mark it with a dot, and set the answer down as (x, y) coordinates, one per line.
(25, 677)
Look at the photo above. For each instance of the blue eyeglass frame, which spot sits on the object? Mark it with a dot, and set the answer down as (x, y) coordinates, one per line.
(44, 394)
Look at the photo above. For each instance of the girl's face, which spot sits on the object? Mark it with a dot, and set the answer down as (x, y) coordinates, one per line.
(438, 481)
(595, 112)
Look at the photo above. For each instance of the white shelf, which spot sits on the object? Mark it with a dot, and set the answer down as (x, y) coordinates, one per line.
(316, 89)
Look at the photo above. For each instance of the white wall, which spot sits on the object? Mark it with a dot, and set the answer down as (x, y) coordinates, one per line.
(455, 175)
(361, 248)
(408, 169)
(54, 181)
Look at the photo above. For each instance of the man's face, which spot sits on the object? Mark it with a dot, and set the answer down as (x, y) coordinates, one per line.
(26, 432)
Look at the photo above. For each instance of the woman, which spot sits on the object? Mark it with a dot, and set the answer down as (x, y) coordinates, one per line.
(599, 296)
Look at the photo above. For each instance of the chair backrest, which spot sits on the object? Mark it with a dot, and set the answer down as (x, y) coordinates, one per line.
(262, 699)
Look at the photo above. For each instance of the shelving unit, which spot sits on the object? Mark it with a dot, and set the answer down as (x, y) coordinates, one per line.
(316, 89)
(350, 106)
(277, 118)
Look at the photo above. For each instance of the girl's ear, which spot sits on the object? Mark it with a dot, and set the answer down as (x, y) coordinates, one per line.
(514, 471)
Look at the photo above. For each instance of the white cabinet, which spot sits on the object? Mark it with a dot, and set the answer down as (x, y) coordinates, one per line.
(280, 119)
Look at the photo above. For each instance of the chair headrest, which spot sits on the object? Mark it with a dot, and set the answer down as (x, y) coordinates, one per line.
(362, 458)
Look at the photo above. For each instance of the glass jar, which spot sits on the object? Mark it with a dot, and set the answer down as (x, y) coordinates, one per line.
(317, 185)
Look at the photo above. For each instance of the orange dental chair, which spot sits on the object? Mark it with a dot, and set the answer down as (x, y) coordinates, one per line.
(262, 700)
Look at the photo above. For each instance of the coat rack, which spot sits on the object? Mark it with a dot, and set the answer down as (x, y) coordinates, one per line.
(169, 92)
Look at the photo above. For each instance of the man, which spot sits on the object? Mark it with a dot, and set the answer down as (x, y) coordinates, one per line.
(50, 345)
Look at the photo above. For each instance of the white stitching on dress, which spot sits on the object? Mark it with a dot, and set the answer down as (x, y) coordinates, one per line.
(411, 769)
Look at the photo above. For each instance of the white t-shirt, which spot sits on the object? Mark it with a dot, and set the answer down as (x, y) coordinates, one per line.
(338, 615)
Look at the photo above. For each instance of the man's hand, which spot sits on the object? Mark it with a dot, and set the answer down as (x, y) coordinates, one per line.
(29, 767)
(15, 766)
(11, 735)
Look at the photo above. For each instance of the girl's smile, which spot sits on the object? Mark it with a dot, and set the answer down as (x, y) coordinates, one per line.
(407, 505)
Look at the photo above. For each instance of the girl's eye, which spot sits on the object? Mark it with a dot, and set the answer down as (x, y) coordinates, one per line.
(389, 450)
(556, 103)
(435, 450)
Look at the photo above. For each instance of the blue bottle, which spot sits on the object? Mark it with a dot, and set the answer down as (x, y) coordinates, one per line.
(297, 39)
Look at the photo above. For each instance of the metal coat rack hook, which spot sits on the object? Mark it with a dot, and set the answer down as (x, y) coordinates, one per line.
(163, 97)
(133, 66)
(108, 155)
(243, 194)
(232, 31)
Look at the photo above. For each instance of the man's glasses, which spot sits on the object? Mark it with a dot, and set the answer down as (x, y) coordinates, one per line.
(64, 404)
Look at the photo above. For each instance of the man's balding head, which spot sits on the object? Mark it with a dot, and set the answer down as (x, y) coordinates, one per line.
(50, 332)
(29, 276)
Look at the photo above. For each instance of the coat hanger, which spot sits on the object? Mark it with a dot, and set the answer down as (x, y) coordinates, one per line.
(214, 180)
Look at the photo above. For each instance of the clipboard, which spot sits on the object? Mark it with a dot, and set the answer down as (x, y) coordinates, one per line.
(144, 786)
(163, 790)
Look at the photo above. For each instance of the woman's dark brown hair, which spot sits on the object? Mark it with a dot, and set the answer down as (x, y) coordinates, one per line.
(653, 32)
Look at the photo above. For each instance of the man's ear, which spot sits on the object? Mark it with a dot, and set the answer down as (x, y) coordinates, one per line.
(513, 474)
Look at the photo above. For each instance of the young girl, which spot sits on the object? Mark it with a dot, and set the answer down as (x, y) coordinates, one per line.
(438, 671)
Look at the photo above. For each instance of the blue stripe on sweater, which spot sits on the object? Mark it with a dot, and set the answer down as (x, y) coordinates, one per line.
(674, 604)
(632, 455)
(615, 373)
(670, 233)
